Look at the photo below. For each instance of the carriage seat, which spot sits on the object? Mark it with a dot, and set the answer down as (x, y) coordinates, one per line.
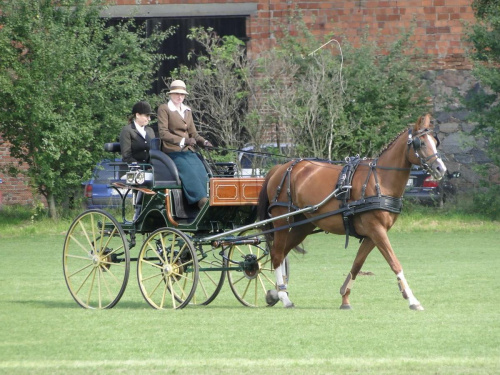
(165, 171)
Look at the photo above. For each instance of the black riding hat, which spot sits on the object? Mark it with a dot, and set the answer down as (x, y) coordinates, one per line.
(142, 108)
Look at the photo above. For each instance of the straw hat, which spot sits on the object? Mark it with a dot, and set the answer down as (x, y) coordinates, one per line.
(178, 87)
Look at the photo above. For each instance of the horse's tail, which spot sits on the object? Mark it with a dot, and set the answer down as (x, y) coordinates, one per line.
(263, 205)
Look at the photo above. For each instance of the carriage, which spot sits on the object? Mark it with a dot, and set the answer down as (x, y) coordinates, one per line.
(245, 230)
(187, 252)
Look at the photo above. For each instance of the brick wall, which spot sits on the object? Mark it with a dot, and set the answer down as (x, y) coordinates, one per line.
(438, 23)
(13, 189)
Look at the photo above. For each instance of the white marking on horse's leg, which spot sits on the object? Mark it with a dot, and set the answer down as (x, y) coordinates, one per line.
(282, 287)
(347, 284)
(406, 291)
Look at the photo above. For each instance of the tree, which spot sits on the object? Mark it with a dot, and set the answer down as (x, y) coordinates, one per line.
(218, 86)
(67, 82)
(484, 36)
(339, 102)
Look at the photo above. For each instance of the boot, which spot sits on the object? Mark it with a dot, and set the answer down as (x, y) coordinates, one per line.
(202, 202)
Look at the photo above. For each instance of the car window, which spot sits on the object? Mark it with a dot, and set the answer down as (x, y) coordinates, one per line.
(247, 160)
(105, 174)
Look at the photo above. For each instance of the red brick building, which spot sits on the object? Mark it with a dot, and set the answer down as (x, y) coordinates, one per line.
(438, 33)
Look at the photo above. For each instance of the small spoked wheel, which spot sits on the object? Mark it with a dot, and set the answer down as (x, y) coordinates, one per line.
(211, 275)
(167, 269)
(250, 273)
(96, 260)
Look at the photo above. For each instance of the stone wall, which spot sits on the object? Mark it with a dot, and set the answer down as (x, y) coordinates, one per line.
(462, 150)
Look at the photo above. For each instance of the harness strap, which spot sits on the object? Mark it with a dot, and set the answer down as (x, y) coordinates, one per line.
(384, 202)
(290, 204)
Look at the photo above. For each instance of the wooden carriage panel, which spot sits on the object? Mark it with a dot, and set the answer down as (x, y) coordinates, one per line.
(235, 191)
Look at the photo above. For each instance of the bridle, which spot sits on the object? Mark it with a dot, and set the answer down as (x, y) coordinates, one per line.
(417, 144)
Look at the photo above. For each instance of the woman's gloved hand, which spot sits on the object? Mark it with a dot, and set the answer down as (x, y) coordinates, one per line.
(190, 142)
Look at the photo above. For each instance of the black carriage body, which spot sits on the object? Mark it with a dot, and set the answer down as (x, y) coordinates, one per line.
(232, 200)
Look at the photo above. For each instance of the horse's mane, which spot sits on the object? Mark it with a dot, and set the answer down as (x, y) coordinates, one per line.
(386, 147)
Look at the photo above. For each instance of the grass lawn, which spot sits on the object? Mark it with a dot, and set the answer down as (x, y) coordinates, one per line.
(455, 273)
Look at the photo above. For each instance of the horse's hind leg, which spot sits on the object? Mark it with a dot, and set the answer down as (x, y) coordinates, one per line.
(284, 241)
(282, 282)
(366, 247)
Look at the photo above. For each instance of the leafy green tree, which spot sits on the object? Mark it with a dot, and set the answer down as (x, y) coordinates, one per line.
(335, 102)
(218, 85)
(67, 83)
(484, 37)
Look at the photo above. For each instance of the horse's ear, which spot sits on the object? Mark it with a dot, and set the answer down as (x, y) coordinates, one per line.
(423, 122)
(426, 121)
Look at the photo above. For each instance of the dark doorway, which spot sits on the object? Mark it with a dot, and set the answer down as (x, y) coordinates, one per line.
(179, 46)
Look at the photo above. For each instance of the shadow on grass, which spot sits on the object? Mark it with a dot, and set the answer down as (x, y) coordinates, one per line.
(73, 304)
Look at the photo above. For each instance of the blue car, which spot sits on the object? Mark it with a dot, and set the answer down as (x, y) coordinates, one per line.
(98, 192)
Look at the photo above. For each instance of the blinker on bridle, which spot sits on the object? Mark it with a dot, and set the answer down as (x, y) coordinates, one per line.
(415, 142)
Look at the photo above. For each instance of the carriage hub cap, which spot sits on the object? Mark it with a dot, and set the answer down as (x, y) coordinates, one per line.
(170, 269)
(251, 267)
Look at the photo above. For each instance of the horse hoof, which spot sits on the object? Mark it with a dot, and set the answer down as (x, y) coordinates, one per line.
(272, 297)
(418, 307)
(345, 307)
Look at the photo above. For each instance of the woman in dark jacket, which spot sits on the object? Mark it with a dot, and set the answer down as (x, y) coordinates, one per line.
(135, 138)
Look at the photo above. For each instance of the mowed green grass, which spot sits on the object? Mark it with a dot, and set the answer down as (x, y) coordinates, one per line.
(455, 275)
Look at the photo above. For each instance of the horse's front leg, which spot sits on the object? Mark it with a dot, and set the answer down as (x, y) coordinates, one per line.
(385, 248)
(366, 247)
(407, 293)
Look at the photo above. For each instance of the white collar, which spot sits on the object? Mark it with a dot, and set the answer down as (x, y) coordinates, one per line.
(141, 130)
(172, 107)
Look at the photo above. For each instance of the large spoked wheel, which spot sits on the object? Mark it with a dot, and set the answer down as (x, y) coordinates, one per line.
(96, 260)
(211, 275)
(250, 274)
(167, 269)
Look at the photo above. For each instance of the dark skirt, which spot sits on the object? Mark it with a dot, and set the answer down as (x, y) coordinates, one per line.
(193, 175)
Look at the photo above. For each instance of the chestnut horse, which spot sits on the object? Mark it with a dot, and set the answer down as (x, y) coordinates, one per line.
(300, 184)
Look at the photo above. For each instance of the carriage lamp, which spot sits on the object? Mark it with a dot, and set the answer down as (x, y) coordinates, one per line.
(135, 176)
(140, 177)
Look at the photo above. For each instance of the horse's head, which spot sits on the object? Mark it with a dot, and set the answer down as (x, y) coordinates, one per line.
(424, 143)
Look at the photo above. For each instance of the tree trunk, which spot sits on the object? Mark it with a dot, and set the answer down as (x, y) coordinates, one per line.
(52, 206)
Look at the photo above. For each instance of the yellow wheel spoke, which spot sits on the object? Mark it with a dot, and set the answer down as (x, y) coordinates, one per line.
(264, 275)
(102, 272)
(91, 286)
(84, 231)
(88, 259)
(152, 264)
(107, 241)
(85, 250)
(84, 281)
(80, 270)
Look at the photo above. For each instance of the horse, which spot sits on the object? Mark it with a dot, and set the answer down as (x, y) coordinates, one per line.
(370, 206)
